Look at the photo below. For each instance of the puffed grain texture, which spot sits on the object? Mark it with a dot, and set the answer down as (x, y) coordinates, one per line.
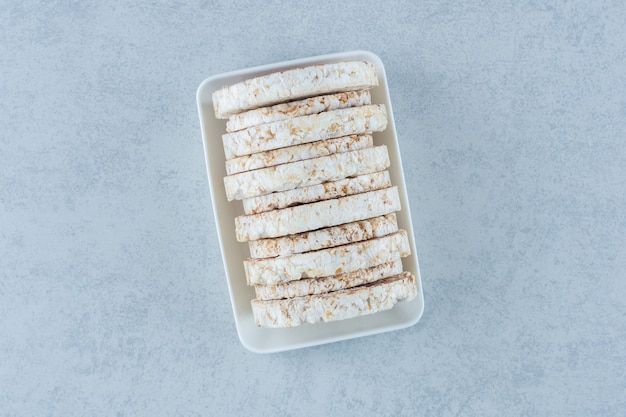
(305, 129)
(312, 105)
(310, 286)
(312, 216)
(307, 172)
(318, 192)
(293, 84)
(325, 262)
(298, 153)
(324, 238)
(353, 302)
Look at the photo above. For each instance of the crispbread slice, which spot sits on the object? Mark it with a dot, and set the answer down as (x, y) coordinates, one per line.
(292, 85)
(338, 305)
(307, 172)
(304, 107)
(312, 216)
(325, 262)
(298, 153)
(318, 192)
(310, 286)
(324, 238)
(305, 129)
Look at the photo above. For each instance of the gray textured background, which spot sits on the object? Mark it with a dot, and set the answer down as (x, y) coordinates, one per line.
(512, 122)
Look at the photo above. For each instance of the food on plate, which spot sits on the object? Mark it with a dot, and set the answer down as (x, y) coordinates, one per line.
(304, 107)
(305, 129)
(301, 154)
(317, 215)
(310, 286)
(298, 153)
(317, 192)
(325, 262)
(352, 302)
(306, 172)
(293, 84)
(327, 237)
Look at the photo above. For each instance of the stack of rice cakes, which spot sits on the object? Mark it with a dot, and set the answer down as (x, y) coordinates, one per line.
(319, 204)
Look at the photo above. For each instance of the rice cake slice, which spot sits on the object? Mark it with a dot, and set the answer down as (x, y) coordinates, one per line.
(307, 172)
(324, 238)
(310, 286)
(305, 129)
(293, 84)
(353, 302)
(298, 153)
(312, 105)
(325, 262)
(318, 192)
(312, 216)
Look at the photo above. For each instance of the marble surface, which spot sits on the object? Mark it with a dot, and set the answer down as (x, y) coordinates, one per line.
(511, 118)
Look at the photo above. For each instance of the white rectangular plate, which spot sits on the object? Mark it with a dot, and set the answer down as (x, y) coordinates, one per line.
(262, 340)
